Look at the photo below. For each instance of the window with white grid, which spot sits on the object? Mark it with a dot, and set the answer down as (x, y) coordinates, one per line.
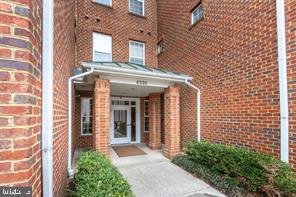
(137, 52)
(136, 7)
(86, 116)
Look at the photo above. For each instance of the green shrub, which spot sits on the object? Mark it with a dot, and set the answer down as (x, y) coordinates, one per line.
(253, 171)
(223, 183)
(98, 177)
(284, 178)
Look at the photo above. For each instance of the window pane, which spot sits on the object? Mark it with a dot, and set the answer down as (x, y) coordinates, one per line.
(86, 115)
(146, 123)
(105, 2)
(159, 47)
(137, 61)
(146, 108)
(102, 57)
(136, 6)
(120, 123)
(197, 14)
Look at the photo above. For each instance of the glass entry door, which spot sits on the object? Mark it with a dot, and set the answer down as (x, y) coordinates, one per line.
(120, 124)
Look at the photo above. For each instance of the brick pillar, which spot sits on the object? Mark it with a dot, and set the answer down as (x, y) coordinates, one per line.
(171, 122)
(154, 121)
(101, 116)
(21, 95)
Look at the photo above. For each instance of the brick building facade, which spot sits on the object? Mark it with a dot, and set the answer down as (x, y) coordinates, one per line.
(231, 53)
(20, 91)
(64, 63)
(291, 60)
(121, 24)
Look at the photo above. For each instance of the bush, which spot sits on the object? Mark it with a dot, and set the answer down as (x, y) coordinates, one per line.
(253, 171)
(223, 183)
(98, 177)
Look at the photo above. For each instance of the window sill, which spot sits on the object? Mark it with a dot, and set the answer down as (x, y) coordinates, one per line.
(85, 135)
(194, 24)
(104, 5)
(138, 15)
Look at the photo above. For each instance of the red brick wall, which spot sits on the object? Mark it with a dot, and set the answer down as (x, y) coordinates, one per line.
(232, 55)
(64, 61)
(290, 8)
(155, 121)
(116, 21)
(20, 93)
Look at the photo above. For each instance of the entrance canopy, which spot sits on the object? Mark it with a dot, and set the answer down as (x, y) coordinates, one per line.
(129, 79)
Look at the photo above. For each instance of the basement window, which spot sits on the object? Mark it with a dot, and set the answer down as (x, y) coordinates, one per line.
(136, 7)
(197, 14)
(86, 116)
(146, 116)
(104, 2)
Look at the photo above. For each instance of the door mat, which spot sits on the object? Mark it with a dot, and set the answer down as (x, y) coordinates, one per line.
(128, 150)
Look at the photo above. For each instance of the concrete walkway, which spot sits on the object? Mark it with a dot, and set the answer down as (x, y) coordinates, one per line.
(153, 175)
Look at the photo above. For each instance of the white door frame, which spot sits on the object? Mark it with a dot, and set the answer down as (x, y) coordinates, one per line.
(126, 139)
(138, 118)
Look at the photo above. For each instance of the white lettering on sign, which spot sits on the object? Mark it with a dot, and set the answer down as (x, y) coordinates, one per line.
(141, 82)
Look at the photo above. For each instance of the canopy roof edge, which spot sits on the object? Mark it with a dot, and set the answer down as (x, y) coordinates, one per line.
(127, 68)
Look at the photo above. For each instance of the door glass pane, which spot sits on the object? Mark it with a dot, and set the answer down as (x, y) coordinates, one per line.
(120, 102)
(120, 123)
(133, 124)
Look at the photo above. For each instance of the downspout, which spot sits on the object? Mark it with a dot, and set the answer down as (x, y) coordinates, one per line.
(47, 98)
(282, 64)
(70, 80)
(197, 109)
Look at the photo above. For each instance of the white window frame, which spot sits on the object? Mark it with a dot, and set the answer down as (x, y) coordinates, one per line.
(93, 48)
(199, 6)
(129, 8)
(103, 3)
(146, 116)
(130, 41)
(81, 122)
